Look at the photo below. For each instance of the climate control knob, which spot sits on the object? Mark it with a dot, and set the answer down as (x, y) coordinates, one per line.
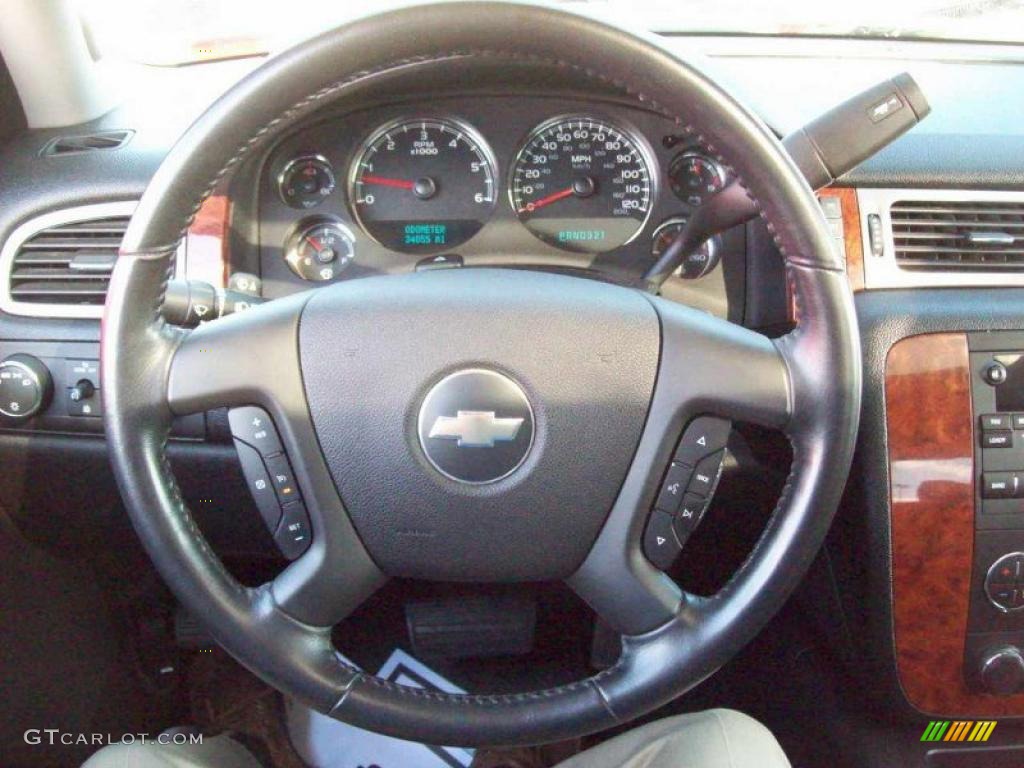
(25, 387)
(1002, 671)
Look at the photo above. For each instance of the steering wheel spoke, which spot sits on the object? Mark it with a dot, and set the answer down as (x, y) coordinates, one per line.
(251, 359)
(708, 367)
(712, 366)
(327, 583)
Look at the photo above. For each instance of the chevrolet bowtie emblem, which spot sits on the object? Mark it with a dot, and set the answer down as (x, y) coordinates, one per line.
(460, 412)
(475, 429)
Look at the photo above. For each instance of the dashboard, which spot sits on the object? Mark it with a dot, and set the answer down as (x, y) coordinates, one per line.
(486, 186)
(538, 182)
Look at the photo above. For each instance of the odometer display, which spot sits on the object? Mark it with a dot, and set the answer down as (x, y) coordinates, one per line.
(423, 186)
(582, 184)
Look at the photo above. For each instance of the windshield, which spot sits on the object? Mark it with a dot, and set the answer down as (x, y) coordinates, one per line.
(173, 32)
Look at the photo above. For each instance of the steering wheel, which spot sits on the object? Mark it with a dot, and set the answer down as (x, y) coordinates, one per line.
(606, 377)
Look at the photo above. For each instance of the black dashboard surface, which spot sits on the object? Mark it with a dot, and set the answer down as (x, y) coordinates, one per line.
(973, 137)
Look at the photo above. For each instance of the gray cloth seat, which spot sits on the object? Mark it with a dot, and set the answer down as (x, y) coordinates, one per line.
(718, 738)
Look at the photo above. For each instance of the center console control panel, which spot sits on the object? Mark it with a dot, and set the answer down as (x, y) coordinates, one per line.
(686, 490)
(995, 627)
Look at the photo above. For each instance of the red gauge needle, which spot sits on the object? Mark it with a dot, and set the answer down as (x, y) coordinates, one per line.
(317, 245)
(384, 181)
(554, 197)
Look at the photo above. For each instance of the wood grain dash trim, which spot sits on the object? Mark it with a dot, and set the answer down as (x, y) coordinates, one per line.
(851, 233)
(206, 244)
(930, 426)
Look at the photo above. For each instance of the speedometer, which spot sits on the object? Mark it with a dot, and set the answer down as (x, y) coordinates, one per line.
(582, 184)
(423, 186)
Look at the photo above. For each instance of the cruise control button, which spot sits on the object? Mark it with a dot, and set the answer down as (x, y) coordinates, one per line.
(689, 515)
(998, 485)
(253, 426)
(1002, 439)
(704, 436)
(283, 479)
(260, 485)
(672, 489)
(705, 474)
(293, 534)
(660, 544)
(994, 421)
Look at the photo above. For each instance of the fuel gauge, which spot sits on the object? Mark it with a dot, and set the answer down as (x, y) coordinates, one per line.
(695, 177)
(320, 250)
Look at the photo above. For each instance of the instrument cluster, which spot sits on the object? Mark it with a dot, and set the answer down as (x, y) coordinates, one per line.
(522, 183)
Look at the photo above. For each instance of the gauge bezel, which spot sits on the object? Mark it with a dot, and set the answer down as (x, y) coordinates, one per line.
(301, 229)
(303, 158)
(624, 128)
(714, 243)
(719, 169)
(373, 136)
(671, 221)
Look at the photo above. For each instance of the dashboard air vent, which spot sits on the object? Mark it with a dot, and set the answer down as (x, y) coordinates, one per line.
(67, 145)
(67, 264)
(958, 235)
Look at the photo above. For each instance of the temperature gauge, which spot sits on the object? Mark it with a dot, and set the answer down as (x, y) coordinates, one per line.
(696, 264)
(320, 250)
(695, 177)
(306, 181)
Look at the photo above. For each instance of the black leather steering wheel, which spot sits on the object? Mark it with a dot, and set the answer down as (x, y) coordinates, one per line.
(612, 376)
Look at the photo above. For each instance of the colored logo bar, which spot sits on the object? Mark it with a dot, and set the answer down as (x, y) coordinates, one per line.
(958, 730)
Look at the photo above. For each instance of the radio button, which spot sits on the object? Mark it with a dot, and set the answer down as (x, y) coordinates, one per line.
(995, 421)
(999, 485)
(1001, 439)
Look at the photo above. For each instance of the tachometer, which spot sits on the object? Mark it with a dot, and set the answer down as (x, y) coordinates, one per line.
(423, 186)
(582, 184)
